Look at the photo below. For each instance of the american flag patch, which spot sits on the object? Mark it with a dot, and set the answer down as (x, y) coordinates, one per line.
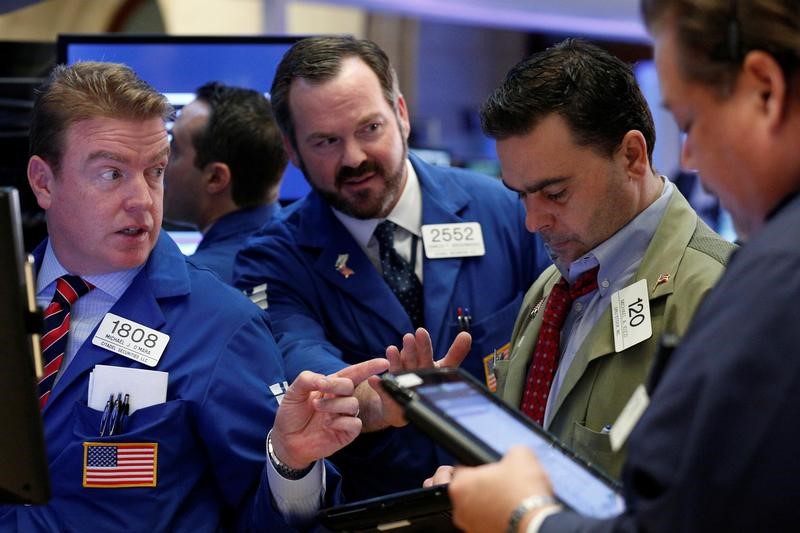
(119, 465)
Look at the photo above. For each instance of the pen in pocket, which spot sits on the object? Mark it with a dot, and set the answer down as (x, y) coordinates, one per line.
(463, 318)
(106, 415)
(112, 423)
(123, 415)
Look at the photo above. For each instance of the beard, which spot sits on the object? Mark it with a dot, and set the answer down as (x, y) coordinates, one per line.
(367, 203)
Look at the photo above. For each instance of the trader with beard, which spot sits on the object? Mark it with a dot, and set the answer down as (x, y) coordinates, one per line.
(454, 256)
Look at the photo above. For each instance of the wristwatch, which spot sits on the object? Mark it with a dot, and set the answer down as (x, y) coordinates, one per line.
(528, 504)
(284, 470)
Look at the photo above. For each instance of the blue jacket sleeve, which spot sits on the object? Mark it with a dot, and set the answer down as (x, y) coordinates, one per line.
(234, 419)
(262, 515)
(293, 301)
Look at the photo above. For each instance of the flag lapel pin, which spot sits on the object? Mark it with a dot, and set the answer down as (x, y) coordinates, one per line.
(341, 266)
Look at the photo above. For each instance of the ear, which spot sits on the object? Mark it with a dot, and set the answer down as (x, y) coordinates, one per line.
(402, 114)
(40, 178)
(218, 177)
(633, 152)
(290, 151)
(763, 77)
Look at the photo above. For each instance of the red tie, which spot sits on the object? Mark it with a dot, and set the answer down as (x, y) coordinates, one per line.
(546, 353)
(56, 327)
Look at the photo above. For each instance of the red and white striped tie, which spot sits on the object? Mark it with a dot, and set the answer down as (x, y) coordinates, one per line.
(56, 327)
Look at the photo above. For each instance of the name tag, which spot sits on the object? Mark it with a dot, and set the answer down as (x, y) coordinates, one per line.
(129, 339)
(461, 239)
(628, 418)
(630, 310)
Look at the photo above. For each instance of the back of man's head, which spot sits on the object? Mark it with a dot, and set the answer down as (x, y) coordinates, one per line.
(593, 91)
(714, 35)
(84, 91)
(319, 59)
(241, 132)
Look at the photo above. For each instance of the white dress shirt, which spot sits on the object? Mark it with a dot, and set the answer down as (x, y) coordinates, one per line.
(407, 214)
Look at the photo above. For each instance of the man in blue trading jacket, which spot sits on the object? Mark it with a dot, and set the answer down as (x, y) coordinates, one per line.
(124, 297)
(346, 125)
(224, 173)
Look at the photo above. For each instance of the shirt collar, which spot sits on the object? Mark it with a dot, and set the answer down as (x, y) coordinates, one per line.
(407, 213)
(626, 248)
(113, 283)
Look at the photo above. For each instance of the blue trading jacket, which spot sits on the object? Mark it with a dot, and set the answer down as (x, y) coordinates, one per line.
(211, 432)
(324, 320)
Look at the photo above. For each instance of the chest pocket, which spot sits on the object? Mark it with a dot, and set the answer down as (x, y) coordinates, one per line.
(177, 467)
(165, 428)
(490, 333)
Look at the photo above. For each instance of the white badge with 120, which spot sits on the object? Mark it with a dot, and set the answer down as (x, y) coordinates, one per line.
(130, 339)
(457, 239)
(630, 311)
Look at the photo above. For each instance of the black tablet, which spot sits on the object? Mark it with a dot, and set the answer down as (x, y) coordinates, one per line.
(417, 510)
(477, 427)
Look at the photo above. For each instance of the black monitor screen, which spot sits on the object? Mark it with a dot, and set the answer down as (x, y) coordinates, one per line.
(177, 66)
(23, 465)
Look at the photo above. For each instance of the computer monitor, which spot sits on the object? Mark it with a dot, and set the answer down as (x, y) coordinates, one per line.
(178, 65)
(434, 156)
(23, 464)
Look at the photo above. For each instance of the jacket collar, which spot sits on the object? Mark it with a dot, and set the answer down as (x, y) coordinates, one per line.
(239, 222)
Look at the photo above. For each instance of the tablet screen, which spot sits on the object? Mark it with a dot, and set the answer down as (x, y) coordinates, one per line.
(498, 428)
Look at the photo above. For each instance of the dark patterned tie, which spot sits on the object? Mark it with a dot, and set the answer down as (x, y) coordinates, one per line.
(56, 327)
(546, 353)
(399, 274)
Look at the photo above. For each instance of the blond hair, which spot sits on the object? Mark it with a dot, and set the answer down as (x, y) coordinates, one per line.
(86, 90)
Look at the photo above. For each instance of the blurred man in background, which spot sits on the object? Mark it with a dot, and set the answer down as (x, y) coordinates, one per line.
(225, 169)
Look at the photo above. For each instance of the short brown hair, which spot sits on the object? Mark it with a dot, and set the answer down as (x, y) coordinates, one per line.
(319, 59)
(714, 35)
(85, 90)
(241, 132)
(593, 91)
